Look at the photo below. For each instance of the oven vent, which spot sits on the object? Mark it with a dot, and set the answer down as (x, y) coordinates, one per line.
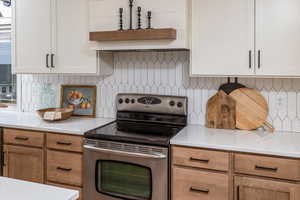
(157, 150)
(102, 144)
(133, 148)
(116, 146)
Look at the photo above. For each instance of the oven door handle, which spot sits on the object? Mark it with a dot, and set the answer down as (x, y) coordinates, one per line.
(139, 155)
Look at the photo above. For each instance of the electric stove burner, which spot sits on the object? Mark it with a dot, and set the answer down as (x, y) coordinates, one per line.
(144, 119)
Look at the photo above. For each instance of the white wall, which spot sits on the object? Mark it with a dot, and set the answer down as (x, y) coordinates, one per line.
(162, 73)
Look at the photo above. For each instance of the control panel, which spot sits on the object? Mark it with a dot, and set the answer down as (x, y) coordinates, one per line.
(152, 103)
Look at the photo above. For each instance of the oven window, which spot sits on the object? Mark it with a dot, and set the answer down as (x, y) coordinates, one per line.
(124, 180)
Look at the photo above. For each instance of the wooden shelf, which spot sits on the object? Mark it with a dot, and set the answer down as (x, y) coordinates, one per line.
(130, 35)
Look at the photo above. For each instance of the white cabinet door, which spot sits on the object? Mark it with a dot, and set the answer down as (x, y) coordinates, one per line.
(222, 37)
(72, 53)
(31, 35)
(278, 37)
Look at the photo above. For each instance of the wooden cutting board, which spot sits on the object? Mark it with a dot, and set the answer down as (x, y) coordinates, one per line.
(251, 109)
(220, 112)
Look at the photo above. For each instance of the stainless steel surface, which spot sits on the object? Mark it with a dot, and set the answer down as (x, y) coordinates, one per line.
(152, 157)
(126, 153)
(146, 103)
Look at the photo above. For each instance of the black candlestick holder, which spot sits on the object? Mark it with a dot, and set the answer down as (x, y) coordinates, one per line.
(139, 11)
(121, 19)
(149, 15)
(130, 9)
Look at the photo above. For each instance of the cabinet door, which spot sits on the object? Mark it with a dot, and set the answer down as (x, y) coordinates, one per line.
(222, 38)
(23, 163)
(260, 189)
(278, 30)
(32, 35)
(71, 38)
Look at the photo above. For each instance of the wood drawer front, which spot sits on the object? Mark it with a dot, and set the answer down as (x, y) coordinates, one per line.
(64, 142)
(67, 187)
(207, 159)
(194, 184)
(267, 166)
(65, 168)
(23, 137)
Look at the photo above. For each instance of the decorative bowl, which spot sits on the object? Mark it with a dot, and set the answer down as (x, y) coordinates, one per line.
(64, 113)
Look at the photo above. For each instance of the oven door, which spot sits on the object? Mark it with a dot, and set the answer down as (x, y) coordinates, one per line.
(118, 171)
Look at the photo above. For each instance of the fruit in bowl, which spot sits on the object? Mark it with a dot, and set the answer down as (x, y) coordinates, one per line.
(75, 98)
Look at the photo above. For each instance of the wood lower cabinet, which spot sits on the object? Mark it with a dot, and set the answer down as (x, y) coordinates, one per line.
(24, 163)
(260, 189)
(41, 157)
(193, 184)
(64, 167)
(199, 174)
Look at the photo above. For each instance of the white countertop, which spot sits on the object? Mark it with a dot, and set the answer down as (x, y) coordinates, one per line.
(11, 189)
(285, 144)
(31, 121)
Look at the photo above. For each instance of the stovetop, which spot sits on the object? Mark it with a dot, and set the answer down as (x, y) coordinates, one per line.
(144, 119)
(136, 132)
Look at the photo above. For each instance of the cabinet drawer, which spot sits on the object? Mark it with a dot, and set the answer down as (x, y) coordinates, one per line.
(267, 166)
(64, 142)
(194, 184)
(23, 137)
(207, 159)
(65, 168)
(67, 187)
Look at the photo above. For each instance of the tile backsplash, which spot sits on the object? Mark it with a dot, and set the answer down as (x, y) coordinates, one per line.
(161, 73)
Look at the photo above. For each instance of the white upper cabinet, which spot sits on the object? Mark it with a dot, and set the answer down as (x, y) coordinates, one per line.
(222, 38)
(51, 36)
(104, 16)
(32, 36)
(257, 38)
(278, 38)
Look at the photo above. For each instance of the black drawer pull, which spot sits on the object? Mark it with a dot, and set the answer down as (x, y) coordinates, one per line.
(257, 167)
(199, 160)
(64, 143)
(198, 190)
(64, 169)
(21, 138)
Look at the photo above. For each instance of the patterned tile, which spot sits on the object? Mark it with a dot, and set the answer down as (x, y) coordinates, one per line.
(163, 73)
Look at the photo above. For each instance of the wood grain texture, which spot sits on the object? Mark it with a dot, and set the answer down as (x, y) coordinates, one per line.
(23, 137)
(191, 184)
(221, 111)
(67, 187)
(206, 159)
(126, 35)
(24, 163)
(260, 189)
(64, 142)
(251, 108)
(281, 168)
(64, 167)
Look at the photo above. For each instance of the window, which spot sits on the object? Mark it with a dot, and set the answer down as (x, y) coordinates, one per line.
(7, 79)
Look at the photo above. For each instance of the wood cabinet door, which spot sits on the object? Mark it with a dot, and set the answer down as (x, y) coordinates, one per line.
(31, 36)
(260, 189)
(222, 37)
(278, 30)
(72, 52)
(24, 163)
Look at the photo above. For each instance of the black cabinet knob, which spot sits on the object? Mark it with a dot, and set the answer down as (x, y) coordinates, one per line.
(120, 101)
(179, 104)
(127, 100)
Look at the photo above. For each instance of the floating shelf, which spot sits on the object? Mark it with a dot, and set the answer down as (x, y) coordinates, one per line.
(130, 35)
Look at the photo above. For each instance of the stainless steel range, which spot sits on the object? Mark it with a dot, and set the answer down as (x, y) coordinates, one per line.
(129, 158)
